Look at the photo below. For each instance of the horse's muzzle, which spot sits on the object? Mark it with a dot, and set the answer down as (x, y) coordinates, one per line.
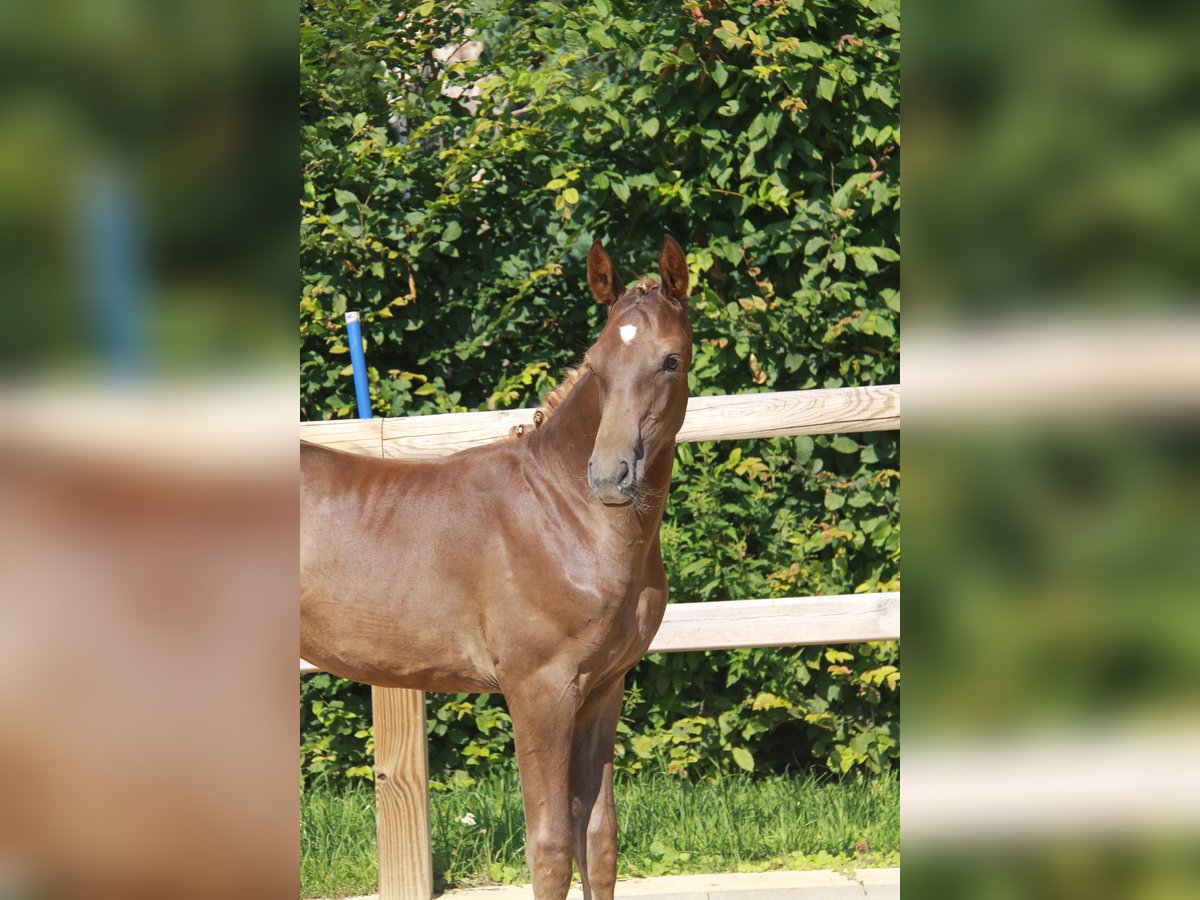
(616, 484)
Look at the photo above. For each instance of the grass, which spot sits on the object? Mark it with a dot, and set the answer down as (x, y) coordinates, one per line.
(668, 826)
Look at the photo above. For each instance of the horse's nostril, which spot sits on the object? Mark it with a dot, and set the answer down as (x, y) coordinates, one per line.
(624, 478)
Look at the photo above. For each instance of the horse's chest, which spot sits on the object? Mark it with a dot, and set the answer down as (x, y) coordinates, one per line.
(626, 619)
(596, 608)
(620, 590)
(648, 614)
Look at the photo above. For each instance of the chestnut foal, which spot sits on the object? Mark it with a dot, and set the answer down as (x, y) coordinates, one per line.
(530, 566)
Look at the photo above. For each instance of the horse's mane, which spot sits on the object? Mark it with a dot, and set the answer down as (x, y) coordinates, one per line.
(551, 401)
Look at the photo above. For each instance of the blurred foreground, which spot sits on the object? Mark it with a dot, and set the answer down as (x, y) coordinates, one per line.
(148, 641)
(1051, 438)
(147, 457)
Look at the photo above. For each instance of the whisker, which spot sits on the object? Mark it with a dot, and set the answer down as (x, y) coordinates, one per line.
(645, 497)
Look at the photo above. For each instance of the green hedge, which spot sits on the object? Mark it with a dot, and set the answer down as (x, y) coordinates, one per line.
(764, 136)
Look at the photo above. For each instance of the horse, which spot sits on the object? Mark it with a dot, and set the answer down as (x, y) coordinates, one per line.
(530, 566)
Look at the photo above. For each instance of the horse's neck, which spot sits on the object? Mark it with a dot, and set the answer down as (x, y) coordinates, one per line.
(563, 445)
(564, 442)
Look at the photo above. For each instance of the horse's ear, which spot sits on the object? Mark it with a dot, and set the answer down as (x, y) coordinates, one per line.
(673, 268)
(602, 278)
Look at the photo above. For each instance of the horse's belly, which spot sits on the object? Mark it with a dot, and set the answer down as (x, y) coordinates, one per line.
(373, 645)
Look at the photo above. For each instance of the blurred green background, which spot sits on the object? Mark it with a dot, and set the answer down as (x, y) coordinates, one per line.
(1052, 550)
(178, 120)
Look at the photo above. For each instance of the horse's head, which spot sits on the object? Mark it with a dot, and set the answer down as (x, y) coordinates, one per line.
(640, 363)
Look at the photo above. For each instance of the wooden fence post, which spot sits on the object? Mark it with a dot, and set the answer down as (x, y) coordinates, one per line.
(402, 795)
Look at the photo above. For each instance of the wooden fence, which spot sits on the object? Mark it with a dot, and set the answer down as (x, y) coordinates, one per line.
(401, 755)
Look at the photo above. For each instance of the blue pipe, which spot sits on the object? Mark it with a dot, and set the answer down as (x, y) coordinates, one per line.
(115, 274)
(359, 362)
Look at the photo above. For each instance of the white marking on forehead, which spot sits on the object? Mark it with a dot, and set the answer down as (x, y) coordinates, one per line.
(628, 333)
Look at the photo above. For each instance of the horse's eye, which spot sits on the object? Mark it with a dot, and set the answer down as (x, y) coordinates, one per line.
(671, 363)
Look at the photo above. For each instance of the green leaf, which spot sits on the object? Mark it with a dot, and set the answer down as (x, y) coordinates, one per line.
(642, 745)
(720, 74)
(575, 42)
(773, 120)
(599, 36)
(843, 444)
(883, 93)
(345, 198)
(650, 127)
(744, 758)
(452, 232)
(570, 195)
(865, 262)
(804, 448)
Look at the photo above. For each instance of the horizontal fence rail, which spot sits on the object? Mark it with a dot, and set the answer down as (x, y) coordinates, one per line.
(787, 622)
(722, 418)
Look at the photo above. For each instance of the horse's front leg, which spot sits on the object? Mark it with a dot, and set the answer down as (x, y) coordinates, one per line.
(592, 791)
(543, 716)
